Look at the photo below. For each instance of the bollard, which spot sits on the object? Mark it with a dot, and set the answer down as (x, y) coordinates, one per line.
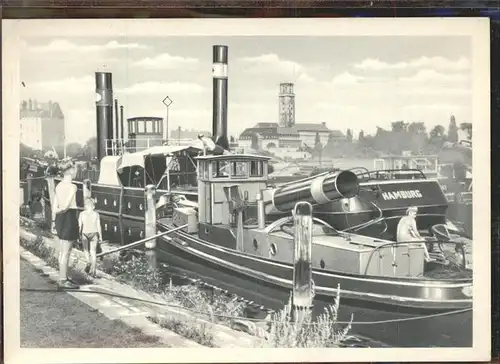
(150, 215)
(261, 212)
(302, 261)
(151, 257)
(87, 189)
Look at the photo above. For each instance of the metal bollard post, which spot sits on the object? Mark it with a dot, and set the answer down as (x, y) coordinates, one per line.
(150, 215)
(151, 256)
(261, 212)
(87, 189)
(302, 296)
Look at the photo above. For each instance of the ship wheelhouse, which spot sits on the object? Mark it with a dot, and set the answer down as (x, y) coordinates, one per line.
(226, 182)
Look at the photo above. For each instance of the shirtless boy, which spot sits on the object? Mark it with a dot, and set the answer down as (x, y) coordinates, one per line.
(91, 234)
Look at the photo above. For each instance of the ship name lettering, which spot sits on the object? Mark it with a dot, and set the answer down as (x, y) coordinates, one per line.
(397, 195)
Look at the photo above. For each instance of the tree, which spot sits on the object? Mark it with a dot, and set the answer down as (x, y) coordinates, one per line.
(73, 149)
(318, 147)
(467, 127)
(361, 136)
(349, 135)
(399, 126)
(91, 148)
(231, 139)
(452, 130)
(437, 132)
(416, 128)
(416, 137)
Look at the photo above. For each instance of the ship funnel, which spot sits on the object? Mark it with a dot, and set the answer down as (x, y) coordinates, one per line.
(219, 108)
(316, 190)
(104, 111)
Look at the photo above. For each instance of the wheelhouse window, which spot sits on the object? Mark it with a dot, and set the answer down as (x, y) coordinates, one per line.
(201, 170)
(220, 169)
(141, 127)
(256, 169)
(149, 127)
(239, 169)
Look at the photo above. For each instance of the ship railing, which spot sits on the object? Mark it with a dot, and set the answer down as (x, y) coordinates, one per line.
(390, 174)
(131, 145)
(376, 220)
(438, 257)
(460, 197)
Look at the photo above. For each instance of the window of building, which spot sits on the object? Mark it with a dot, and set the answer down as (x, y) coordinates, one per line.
(239, 169)
(256, 169)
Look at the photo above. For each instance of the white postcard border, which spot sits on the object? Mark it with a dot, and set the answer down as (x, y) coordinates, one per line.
(14, 31)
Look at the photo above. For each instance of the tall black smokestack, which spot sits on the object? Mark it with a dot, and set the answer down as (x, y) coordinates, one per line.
(220, 73)
(104, 110)
(121, 122)
(117, 123)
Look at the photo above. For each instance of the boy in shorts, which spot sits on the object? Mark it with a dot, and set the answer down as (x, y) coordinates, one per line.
(91, 234)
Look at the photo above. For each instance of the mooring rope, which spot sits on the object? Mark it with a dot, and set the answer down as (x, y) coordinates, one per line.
(256, 320)
(139, 242)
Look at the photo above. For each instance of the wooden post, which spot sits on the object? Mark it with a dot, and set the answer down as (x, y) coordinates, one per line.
(29, 184)
(52, 198)
(150, 216)
(150, 224)
(302, 296)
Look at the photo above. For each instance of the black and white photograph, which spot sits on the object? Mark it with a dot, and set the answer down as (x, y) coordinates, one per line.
(302, 185)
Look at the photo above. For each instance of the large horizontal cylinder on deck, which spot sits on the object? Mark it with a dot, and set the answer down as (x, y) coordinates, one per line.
(319, 190)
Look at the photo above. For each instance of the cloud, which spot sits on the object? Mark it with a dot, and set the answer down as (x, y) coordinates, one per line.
(66, 85)
(437, 91)
(429, 107)
(334, 106)
(62, 45)
(429, 75)
(346, 78)
(80, 124)
(271, 63)
(166, 61)
(374, 64)
(305, 78)
(153, 87)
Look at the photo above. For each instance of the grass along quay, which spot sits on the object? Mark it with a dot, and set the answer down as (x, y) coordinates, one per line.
(197, 312)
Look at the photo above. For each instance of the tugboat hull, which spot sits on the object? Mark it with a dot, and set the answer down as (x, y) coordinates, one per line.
(398, 312)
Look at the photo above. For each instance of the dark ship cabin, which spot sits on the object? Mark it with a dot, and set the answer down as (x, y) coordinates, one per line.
(166, 167)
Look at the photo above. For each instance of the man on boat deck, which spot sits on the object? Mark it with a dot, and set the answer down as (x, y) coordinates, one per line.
(407, 230)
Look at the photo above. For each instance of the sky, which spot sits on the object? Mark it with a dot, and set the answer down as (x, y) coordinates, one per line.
(346, 82)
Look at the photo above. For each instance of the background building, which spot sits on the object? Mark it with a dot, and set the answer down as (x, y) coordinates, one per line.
(180, 133)
(286, 105)
(42, 125)
(267, 136)
(287, 136)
